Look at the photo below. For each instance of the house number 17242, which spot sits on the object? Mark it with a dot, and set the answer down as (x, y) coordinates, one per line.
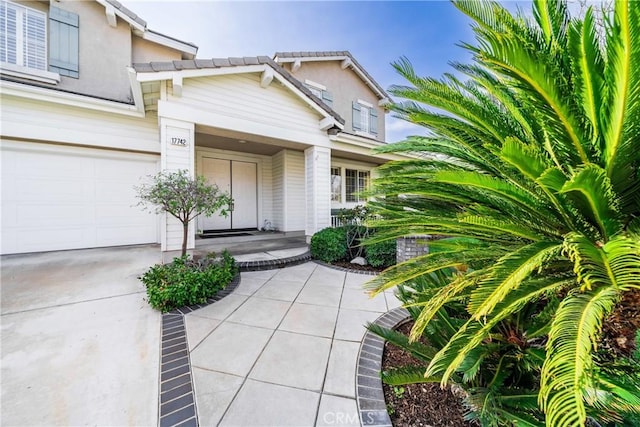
(179, 141)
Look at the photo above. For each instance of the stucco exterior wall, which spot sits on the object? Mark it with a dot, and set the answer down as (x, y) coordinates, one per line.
(146, 51)
(105, 53)
(345, 86)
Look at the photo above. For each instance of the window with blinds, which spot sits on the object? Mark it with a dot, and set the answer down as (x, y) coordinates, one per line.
(23, 36)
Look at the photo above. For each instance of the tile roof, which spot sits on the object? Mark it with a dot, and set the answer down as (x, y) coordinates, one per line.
(332, 53)
(116, 4)
(196, 64)
(141, 22)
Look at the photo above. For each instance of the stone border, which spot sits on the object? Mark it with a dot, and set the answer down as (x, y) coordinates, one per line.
(272, 264)
(369, 395)
(348, 270)
(177, 397)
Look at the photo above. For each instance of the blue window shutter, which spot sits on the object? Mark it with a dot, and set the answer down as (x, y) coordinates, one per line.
(63, 42)
(373, 121)
(356, 116)
(327, 98)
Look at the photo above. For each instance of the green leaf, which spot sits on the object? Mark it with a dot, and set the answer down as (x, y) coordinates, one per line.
(567, 370)
(591, 186)
(617, 263)
(508, 273)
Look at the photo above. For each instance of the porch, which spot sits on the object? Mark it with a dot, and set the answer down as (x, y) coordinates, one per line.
(254, 245)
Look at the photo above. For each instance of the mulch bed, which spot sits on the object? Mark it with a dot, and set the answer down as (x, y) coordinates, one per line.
(618, 331)
(356, 267)
(429, 405)
(420, 404)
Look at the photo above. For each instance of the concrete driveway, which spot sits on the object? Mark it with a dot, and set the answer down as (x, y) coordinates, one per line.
(79, 343)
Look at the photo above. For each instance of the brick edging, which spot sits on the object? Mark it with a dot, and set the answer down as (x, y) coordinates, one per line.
(274, 263)
(372, 407)
(348, 270)
(176, 394)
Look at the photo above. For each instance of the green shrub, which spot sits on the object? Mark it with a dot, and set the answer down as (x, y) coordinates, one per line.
(381, 254)
(187, 282)
(329, 244)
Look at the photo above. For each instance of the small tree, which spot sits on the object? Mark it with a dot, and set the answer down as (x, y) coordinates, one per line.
(183, 197)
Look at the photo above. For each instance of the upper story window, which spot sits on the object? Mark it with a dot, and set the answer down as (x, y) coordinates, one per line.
(36, 48)
(320, 91)
(364, 118)
(23, 40)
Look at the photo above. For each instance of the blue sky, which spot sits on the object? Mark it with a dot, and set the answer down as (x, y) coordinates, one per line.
(376, 33)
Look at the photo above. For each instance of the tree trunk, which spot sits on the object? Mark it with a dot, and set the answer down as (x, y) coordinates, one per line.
(185, 233)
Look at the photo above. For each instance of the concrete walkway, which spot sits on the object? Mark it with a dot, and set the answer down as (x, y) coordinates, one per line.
(81, 346)
(282, 349)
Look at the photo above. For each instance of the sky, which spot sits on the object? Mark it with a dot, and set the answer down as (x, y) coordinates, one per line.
(376, 33)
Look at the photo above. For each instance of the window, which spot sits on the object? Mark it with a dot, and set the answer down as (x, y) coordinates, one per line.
(23, 39)
(336, 185)
(23, 43)
(364, 118)
(320, 91)
(356, 182)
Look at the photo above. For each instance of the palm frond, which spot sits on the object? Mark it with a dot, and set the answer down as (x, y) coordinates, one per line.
(473, 334)
(567, 370)
(508, 273)
(623, 84)
(588, 71)
(616, 263)
(417, 349)
(407, 375)
(590, 186)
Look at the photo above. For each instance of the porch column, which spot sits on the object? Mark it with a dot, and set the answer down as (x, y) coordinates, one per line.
(317, 162)
(176, 153)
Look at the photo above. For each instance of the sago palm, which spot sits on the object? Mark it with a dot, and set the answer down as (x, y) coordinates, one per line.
(530, 168)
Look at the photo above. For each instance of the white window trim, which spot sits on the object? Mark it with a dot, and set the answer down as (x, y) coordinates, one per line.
(364, 103)
(343, 203)
(29, 73)
(315, 88)
(341, 170)
(366, 133)
(315, 85)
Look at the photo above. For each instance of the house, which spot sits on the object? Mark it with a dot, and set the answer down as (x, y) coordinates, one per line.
(93, 101)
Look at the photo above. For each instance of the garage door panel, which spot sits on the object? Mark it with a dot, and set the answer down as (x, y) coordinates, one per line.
(40, 215)
(54, 190)
(68, 198)
(120, 214)
(114, 192)
(110, 236)
(54, 164)
(49, 239)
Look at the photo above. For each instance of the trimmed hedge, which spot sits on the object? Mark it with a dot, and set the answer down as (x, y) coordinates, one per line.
(187, 282)
(329, 244)
(382, 254)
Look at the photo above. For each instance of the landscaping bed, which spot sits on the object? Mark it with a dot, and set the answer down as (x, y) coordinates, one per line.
(186, 281)
(419, 404)
(429, 405)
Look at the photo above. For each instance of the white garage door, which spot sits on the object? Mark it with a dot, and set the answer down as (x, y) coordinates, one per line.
(56, 197)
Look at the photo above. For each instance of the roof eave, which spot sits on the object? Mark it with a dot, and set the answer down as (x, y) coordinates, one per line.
(382, 95)
(150, 74)
(139, 28)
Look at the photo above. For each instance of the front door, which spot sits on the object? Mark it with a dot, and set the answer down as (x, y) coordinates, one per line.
(240, 180)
